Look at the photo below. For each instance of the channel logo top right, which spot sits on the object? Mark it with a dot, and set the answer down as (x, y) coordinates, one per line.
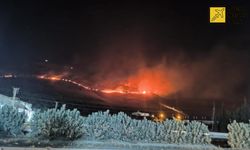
(217, 14)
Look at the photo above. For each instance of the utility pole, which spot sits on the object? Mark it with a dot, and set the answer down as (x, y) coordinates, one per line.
(213, 116)
(56, 105)
(245, 101)
(15, 92)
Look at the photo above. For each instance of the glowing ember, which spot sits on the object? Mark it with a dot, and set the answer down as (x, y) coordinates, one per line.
(55, 78)
(108, 91)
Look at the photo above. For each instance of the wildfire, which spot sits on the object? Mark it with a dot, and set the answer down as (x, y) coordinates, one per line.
(118, 90)
(108, 91)
(59, 78)
(146, 81)
(53, 78)
(152, 80)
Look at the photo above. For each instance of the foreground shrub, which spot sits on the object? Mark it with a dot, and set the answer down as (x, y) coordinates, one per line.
(103, 126)
(121, 127)
(239, 135)
(11, 121)
(174, 131)
(125, 128)
(98, 125)
(55, 123)
(197, 133)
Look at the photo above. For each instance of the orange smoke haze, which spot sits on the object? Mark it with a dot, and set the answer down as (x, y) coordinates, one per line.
(158, 80)
(152, 80)
(127, 68)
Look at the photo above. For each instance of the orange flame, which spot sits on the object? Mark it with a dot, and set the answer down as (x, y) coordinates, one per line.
(152, 80)
(146, 81)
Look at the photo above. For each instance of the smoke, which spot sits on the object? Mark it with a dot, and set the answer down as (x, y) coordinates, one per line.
(223, 73)
(131, 64)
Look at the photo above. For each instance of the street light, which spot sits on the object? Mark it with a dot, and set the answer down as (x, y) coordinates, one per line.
(178, 117)
(161, 116)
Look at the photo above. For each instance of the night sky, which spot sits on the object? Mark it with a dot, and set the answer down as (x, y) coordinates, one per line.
(36, 30)
(85, 34)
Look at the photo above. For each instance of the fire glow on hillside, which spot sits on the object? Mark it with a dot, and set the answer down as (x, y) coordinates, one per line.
(155, 80)
(107, 91)
(144, 82)
(59, 78)
(143, 88)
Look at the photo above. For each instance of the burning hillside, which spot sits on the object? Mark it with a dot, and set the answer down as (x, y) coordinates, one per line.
(125, 78)
(146, 81)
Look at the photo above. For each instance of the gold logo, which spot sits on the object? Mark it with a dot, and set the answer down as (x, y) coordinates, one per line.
(217, 14)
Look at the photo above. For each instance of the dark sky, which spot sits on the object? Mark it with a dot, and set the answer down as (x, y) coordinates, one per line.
(60, 30)
(107, 41)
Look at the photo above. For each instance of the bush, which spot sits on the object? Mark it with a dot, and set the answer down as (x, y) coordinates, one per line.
(11, 121)
(174, 131)
(121, 127)
(239, 135)
(145, 130)
(127, 129)
(103, 126)
(97, 125)
(197, 133)
(55, 123)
